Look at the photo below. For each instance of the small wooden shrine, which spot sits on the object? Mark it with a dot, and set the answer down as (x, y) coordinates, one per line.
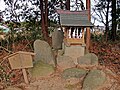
(75, 23)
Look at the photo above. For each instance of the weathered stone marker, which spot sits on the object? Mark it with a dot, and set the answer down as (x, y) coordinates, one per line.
(21, 60)
(43, 52)
(57, 40)
(89, 59)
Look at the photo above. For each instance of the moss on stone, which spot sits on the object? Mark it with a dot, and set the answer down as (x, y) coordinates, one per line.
(41, 69)
(94, 80)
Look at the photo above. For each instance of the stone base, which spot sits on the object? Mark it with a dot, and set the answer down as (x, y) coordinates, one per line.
(75, 51)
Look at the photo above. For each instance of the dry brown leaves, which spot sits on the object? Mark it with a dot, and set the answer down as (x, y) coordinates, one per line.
(108, 54)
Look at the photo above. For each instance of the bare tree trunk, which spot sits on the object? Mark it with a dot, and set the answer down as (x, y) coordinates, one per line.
(68, 4)
(44, 18)
(107, 23)
(114, 25)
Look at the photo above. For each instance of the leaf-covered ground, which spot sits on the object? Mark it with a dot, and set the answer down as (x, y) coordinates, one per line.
(108, 54)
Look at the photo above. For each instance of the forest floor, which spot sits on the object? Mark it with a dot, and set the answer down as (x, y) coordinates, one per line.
(108, 54)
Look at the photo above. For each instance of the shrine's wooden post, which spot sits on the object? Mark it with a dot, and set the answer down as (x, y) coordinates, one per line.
(83, 41)
(88, 28)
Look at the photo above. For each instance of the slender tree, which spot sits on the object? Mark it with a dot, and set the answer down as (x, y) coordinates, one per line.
(118, 14)
(68, 4)
(44, 18)
(101, 13)
(114, 23)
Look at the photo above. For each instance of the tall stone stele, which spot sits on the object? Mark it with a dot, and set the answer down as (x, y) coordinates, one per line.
(43, 52)
(57, 39)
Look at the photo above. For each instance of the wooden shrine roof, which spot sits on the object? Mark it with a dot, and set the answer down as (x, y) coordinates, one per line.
(74, 18)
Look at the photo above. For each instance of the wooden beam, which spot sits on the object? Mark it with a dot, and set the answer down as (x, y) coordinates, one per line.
(83, 38)
(88, 29)
(88, 7)
(25, 76)
(88, 38)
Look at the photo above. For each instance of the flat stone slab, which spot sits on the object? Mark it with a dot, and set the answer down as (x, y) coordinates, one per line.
(88, 59)
(75, 51)
(65, 62)
(73, 73)
(94, 80)
(41, 69)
